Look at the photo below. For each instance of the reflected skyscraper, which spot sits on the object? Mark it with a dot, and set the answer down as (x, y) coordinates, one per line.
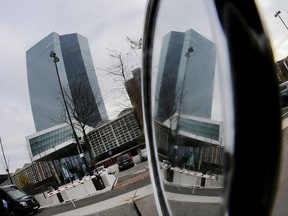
(168, 68)
(76, 72)
(184, 99)
(189, 78)
(195, 82)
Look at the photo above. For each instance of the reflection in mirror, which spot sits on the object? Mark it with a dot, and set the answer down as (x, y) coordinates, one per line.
(274, 17)
(189, 72)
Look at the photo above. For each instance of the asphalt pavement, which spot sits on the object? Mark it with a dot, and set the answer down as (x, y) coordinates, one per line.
(92, 200)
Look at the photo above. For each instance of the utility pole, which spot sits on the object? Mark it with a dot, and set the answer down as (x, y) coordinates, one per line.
(6, 164)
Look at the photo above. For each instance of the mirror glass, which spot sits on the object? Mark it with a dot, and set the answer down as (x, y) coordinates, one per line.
(274, 15)
(190, 92)
(192, 115)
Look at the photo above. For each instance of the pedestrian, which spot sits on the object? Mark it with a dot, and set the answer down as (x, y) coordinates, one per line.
(3, 207)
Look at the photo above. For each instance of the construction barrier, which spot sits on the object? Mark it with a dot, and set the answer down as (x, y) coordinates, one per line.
(71, 185)
(192, 173)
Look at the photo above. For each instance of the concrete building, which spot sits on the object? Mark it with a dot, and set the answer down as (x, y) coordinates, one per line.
(133, 87)
(111, 138)
(32, 172)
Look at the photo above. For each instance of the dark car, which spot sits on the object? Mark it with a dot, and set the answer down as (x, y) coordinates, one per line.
(19, 202)
(125, 161)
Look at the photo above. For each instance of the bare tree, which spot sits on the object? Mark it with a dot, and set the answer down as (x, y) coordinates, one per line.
(135, 44)
(120, 68)
(123, 62)
(83, 108)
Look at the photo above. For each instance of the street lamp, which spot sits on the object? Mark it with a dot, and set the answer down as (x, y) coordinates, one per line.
(277, 14)
(55, 60)
(187, 55)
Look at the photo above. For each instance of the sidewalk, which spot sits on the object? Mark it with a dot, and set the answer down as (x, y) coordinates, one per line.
(132, 203)
(74, 193)
(142, 202)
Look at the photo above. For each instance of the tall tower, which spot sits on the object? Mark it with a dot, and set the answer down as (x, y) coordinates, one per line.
(168, 67)
(76, 71)
(185, 78)
(196, 75)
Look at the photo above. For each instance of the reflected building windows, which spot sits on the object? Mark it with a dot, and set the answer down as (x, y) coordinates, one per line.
(184, 131)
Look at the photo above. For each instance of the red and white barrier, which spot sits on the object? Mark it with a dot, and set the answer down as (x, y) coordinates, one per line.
(68, 186)
(192, 173)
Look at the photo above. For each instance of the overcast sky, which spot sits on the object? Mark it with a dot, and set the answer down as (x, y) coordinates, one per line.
(105, 23)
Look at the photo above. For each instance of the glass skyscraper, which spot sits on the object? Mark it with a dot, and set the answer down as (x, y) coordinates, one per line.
(185, 79)
(167, 74)
(76, 71)
(184, 98)
(196, 75)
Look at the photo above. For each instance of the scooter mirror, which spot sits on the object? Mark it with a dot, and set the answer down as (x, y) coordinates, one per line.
(207, 124)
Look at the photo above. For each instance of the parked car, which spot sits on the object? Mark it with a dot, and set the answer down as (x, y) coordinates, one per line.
(103, 170)
(143, 154)
(19, 202)
(125, 161)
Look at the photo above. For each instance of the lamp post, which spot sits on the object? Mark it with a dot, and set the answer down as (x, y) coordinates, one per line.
(277, 14)
(187, 55)
(55, 60)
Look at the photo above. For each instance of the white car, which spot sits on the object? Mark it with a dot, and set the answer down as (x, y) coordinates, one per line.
(143, 155)
(102, 170)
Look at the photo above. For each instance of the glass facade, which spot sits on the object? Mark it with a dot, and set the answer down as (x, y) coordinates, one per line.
(184, 130)
(43, 85)
(75, 66)
(201, 127)
(180, 76)
(39, 143)
(167, 74)
(195, 82)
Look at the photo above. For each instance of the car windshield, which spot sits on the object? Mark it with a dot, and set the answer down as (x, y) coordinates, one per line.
(15, 193)
(122, 158)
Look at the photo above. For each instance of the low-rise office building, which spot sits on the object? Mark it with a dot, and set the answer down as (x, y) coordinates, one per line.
(111, 138)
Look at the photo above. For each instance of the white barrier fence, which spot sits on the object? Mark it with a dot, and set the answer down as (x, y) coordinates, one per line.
(75, 191)
(193, 179)
(71, 185)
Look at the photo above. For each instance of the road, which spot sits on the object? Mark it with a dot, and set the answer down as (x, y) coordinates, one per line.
(136, 177)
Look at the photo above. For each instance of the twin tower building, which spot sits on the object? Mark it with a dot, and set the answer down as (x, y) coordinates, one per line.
(75, 68)
(78, 79)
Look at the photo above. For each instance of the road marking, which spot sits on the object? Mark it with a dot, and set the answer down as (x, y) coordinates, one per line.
(139, 171)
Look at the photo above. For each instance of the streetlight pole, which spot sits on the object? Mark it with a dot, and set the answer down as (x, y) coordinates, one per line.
(7, 168)
(55, 60)
(277, 14)
(187, 55)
